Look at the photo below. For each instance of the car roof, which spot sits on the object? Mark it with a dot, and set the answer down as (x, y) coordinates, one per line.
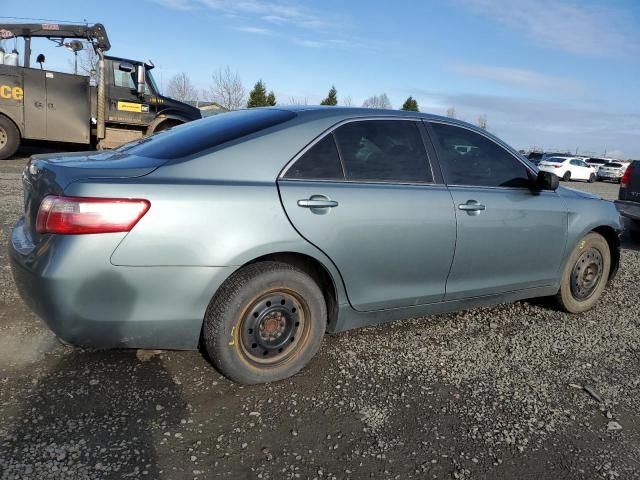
(350, 112)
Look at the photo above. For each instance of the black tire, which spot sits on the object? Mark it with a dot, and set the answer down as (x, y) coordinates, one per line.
(567, 176)
(585, 275)
(634, 230)
(592, 178)
(265, 323)
(9, 138)
(166, 125)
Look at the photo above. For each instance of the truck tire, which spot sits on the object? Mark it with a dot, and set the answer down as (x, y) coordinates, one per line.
(9, 138)
(265, 323)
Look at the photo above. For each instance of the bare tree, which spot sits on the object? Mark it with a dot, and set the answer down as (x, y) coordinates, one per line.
(346, 101)
(87, 62)
(377, 101)
(298, 101)
(226, 89)
(181, 88)
(482, 121)
(451, 112)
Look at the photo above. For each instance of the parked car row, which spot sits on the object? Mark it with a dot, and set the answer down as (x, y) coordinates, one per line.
(590, 169)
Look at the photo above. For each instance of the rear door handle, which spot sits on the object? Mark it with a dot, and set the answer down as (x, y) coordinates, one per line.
(472, 207)
(317, 203)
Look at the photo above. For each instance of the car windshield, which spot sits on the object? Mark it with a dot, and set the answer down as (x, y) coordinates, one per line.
(556, 160)
(613, 165)
(152, 82)
(596, 161)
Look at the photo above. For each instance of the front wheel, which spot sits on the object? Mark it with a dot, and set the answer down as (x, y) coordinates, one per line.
(567, 176)
(265, 323)
(585, 275)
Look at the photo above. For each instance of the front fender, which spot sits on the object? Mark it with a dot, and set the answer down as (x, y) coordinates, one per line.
(164, 117)
(599, 216)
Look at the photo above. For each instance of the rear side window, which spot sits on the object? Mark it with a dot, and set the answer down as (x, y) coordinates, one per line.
(383, 150)
(320, 162)
(200, 135)
(468, 158)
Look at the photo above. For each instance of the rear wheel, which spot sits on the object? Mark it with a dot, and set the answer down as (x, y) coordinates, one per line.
(9, 138)
(567, 176)
(592, 178)
(265, 323)
(585, 274)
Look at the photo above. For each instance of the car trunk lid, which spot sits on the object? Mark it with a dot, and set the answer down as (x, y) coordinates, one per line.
(52, 174)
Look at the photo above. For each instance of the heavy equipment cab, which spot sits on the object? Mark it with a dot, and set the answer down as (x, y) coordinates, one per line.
(122, 104)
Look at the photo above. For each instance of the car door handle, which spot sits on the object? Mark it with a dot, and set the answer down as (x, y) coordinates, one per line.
(472, 206)
(317, 203)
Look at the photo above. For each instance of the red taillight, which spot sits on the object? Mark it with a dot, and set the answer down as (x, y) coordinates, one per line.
(626, 177)
(76, 215)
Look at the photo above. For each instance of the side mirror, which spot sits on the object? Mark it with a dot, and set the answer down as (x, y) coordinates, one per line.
(125, 67)
(546, 181)
(142, 78)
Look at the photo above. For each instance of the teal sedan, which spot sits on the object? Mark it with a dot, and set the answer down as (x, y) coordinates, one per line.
(253, 233)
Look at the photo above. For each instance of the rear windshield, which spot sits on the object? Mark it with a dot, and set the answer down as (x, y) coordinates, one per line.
(194, 137)
(597, 160)
(555, 159)
(613, 165)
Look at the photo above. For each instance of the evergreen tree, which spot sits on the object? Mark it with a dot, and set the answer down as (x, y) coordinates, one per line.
(411, 105)
(271, 99)
(332, 97)
(258, 96)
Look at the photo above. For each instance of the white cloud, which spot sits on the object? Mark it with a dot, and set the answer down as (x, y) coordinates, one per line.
(309, 43)
(575, 27)
(256, 30)
(526, 122)
(275, 12)
(175, 4)
(517, 77)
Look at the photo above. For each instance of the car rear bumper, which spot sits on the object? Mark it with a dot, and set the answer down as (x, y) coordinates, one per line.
(628, 209)
(611, 175)
(69, 282)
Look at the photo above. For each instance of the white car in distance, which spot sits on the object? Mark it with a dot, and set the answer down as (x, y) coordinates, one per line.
(569, 168)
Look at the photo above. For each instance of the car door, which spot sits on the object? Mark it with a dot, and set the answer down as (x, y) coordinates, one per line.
(578, 172)
(125, 104)
(365, 195)
(508, 237)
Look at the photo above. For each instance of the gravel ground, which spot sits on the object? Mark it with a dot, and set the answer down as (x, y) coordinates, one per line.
(514, 391)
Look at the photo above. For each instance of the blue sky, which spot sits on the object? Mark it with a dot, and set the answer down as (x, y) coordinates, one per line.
(554, 74)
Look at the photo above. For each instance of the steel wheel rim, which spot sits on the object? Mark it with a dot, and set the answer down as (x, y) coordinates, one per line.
(586, 274)
(273, 328)
(3, 137)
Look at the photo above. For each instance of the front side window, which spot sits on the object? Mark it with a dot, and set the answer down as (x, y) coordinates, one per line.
(123, 79)
(469, 158)
(383, 150)
(320, 162)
